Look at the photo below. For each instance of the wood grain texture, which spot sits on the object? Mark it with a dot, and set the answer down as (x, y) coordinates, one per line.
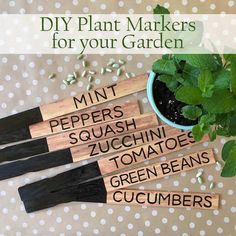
(207, 201)
(122, 142)
(110, 92)
(84, 118)
(99, 132)
(149, 151)
(160, 170)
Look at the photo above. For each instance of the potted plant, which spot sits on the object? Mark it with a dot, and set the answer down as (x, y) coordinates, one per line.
(198, 92)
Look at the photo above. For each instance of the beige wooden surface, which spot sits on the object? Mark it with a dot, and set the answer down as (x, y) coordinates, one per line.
(160, 170)
(152, 198)
(100, 131)
(174, 142)
(84, 118)
(110, 92)
(24, 85)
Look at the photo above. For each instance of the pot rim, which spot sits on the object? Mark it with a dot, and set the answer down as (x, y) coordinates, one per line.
(156, 110)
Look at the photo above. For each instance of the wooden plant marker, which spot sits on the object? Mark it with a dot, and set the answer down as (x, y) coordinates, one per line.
(207, 201)
(160, 170)
(149, 151)
(95, 97)
(76, 120)
(66, 187)
(78, 136)
(14, 123)
(86, 118)
(172, 141)
(123, 142)
(99, 132)
(66, 156)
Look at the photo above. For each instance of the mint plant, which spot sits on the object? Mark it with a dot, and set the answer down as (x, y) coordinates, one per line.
(206, 83)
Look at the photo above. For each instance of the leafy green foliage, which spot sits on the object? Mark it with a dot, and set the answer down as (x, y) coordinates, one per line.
(217, 55)
(189, 95)
(208, 119)
(222, 101)
(227, 148)
(191, 112)
(198, 132)
(164, 66)
(229, 169)
(170, 82)
(212, 135)
(229, 57)
(206, 83)
(160, 10)
(222, 79)
(202, 61)
(232, 125)
(233, 75)
(167, 56)
(190, 75)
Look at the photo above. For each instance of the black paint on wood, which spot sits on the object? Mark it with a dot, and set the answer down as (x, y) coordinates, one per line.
(93, 191)
(72, 177)
(19, 134)
(23, 150)
(35, 163)
(20, 120)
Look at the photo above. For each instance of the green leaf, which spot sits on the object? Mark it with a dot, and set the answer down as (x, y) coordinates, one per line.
(229, 169)
(191, 112)
(223, 119)
(182, 81)
(208, 119)
(206, 128)
(170, 82)
(160, 10)
(163, 66)
(217, 55)
(189, 95)
(222, 79)
(167, 57)
(202, 61)
(222, 122)
(227, 57)
(222, 101)
(190, 74)
(179, 78)
(212, 135)
(209, 91)
(227, 148)
(232, 52)
(223, 132)
(197, 132)
(232, 125)
(205, 79)
(233, 75)
(205, 83)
